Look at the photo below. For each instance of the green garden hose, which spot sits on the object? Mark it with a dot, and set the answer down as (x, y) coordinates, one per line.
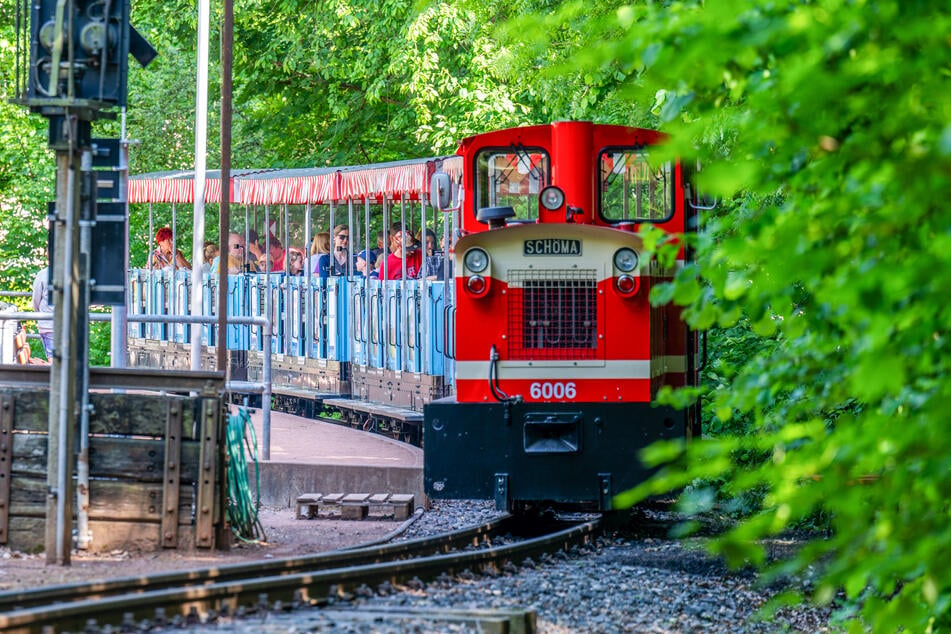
(242, 506)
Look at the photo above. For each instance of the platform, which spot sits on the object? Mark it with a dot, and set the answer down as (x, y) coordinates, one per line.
(309, 455)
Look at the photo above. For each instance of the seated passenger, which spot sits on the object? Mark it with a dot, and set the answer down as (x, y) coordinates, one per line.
(275, 255)
(236, 256)
(433, 261)
(209, 253)
(366, 265)
(339, 260)
(162, 256)
(404, 250)
(319, 247)
(295, 261)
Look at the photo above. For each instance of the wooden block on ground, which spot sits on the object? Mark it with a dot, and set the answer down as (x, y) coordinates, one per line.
(331, 502)
(378, 505)
(308, 505)
(353, 511)
(354, 506)
(403, 505)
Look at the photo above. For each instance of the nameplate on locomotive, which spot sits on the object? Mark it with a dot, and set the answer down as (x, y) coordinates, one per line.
(552, 246)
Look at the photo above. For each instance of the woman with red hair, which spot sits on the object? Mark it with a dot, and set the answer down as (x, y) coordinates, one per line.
(162, 256)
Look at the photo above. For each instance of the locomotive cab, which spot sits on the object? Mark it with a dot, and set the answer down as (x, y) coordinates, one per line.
(558, 351)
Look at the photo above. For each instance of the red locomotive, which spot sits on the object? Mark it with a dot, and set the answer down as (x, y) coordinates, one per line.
(558, 352)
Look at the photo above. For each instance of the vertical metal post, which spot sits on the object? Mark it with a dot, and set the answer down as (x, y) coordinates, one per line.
(86, 221)
(120, 329)
(424, 290)
(201, 151)
(63, 373)
(223, 536)
(406, 237)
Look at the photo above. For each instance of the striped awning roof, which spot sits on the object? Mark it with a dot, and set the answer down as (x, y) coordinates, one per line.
(179, 186)
(409, 178)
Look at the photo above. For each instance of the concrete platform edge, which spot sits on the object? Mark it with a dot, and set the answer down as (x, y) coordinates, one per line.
(283, 482)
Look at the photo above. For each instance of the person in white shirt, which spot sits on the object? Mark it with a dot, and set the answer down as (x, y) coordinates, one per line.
(41, 305)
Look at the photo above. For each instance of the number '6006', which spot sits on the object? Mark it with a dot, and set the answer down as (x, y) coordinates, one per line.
(553, 389)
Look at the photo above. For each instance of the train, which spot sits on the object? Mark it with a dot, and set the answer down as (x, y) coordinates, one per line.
(529, 370)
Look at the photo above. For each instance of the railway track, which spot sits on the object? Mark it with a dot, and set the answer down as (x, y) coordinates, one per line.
(204, 595)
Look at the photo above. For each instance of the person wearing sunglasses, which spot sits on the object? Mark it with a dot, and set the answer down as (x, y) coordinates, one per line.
(339, 259)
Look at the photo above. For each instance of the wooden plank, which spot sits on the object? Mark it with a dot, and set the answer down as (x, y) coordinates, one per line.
(171, 482)
(108, 500)
(138, 414)
(31, 411)
(138, 459)
(204, 514)
(26, 535)
(7, 402)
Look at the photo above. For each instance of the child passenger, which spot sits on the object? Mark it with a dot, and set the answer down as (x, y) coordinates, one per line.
(366, 261)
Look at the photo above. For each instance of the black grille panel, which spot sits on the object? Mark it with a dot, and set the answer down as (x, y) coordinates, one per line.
(553, 314)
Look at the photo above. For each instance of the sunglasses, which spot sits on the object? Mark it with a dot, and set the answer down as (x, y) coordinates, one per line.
(237, 246)
(343, 236)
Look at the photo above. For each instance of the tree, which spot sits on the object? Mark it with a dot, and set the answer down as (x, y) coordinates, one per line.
(824, 125)
(26, 174)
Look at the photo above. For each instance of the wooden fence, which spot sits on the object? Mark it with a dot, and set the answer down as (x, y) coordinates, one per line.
(156, 468)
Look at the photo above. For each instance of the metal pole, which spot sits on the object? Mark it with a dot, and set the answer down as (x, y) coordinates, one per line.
(224, 219)
(82, 460)
(119, 340)
(308, 332)
(201, 151)
(66, 304)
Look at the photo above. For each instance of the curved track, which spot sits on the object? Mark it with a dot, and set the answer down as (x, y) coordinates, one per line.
(205, 594)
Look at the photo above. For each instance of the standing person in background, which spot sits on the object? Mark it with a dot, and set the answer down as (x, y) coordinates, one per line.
(162, 256)
(41, 305)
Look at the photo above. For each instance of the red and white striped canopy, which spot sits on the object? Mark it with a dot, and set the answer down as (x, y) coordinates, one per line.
(300, 186)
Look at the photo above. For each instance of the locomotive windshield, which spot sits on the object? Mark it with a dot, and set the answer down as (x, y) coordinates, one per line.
(511, 177)
(633, 189)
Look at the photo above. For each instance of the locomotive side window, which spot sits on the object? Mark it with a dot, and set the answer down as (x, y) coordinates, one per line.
(632, 189)
(511, 177)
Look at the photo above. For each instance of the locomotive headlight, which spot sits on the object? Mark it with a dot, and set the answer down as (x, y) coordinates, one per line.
(625, 260)
(476, 260)
(552, 198)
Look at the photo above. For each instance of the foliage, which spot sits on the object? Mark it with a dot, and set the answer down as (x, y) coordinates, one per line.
(26, 174)
(832, 116)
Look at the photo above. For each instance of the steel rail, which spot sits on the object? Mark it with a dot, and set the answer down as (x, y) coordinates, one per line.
(306, 588)
(470, 536)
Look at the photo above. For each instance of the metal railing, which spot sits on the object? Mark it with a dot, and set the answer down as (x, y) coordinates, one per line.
(240, 387)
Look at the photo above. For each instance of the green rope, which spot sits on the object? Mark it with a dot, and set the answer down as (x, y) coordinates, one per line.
(242, 506)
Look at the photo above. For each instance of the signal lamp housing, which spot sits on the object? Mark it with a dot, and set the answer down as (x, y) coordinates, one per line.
(627, 284)
(476, 285)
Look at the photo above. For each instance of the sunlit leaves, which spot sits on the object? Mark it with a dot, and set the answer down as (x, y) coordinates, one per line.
(823, 129)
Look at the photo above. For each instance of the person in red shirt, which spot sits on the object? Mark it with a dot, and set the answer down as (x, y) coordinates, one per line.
(403, 249)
